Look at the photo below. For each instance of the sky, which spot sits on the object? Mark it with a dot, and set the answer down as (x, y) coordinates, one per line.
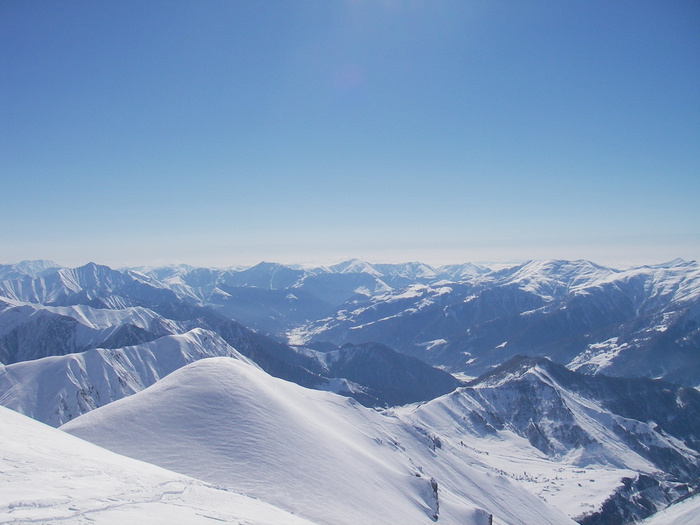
(220, 133)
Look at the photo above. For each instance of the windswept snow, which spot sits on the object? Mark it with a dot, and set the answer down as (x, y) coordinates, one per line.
(49, 476)
(313, 453)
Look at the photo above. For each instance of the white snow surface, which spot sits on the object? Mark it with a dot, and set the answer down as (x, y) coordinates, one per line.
(49, 476)
(686, 512)
(56, 389)
(313, 453)
(598, 356)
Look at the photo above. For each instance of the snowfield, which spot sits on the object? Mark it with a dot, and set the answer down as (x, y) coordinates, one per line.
(321, 456)
(49, 476)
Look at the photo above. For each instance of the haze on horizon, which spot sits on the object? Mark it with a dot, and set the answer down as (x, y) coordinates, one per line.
(222, 133)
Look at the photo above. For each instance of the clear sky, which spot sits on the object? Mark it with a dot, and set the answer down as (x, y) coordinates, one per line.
(220, 133)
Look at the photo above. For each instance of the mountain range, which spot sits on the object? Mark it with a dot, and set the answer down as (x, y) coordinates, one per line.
(634, 322)
(568, 385)
(638, 322)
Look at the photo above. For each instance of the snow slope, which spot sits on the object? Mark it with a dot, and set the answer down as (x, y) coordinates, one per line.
(573, 439)
(49, 476)
(55, 390)
(686, 512)
(313, 453)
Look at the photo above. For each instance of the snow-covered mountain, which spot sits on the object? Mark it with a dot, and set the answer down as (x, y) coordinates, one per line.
(600, 449)
(92, 285)
(605, 450)
(27, 268)
(55, 390)
(641, 321)
(276, 298)
(321, 456)
(49, 476)
(637, 322)
(32, 331)
(386, 377)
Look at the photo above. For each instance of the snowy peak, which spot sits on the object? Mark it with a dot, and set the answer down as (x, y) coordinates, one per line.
(461, 272)
(38, 268)
(413, 270)
(513, 369)
(31, 331)
(552, 278)
(271, 276)
(92, 284)
(640, 321)
(355, 266)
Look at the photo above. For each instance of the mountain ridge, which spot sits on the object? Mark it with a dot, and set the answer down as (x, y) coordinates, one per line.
(386, 470)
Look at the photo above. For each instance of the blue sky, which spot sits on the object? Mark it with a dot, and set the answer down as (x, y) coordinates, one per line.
(221, 133)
